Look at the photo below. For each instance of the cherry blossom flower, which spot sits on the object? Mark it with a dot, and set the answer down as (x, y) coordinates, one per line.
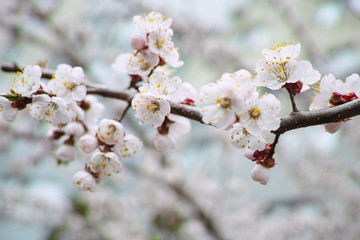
(352, 83)
(85, 181)
(105, 163)
(186, 92)
(142, 63)
(121, 62)
(221, 103)
(152, 22)
(88, 143)
(280, 66)
(260, 174)
(240, 137)
(160, 43)
(76, 112)
(68, 83)
(170, 132)
(129, 147)
(110, 132)
(27, 82)
(150, 108)
(52, 109)
(261, 114)
(242, 80)
(8, 111)
(163, 86)
(333, 92)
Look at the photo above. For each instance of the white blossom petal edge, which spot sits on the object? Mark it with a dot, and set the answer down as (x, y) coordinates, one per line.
(27, 82)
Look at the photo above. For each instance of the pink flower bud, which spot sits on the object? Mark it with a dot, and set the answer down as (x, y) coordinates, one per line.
(137, 42)
(249, 154)
(110, 131)
(260, 174)
(332, 127)
(85, 181)
(88, 143)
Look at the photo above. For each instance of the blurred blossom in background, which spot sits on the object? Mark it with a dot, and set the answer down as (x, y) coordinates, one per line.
(202, 189)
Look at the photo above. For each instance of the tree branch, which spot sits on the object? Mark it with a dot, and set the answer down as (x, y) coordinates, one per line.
(16, 68)
(297, 120)
(311, 118)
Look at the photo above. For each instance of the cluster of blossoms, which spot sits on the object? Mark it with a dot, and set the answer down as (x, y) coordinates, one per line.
(54, 102)
(108, 146)
(159, 87)
(63, 103)
(233, 103)
(154, 49)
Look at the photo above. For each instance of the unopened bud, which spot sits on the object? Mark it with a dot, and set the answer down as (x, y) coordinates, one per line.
(137, 42)
(88, 143)
(260, 174)
(332, 127)
(85, 181)
(249, 154)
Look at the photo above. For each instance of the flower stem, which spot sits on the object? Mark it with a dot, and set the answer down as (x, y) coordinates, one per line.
(124, 112)
(292, 99)
(273, 145)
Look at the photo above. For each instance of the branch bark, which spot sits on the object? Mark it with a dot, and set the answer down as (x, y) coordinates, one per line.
(296, 120)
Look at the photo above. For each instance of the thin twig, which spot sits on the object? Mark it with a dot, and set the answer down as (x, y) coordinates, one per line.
(16, 68)
(124, 112)
(273, 145)
(292, 99)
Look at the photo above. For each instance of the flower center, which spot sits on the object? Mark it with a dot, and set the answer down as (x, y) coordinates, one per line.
(282, 72)
(224, 103)
(52, 107)
(111, 129)
(153, 107)
(70, 86)
(159, 44)
(254, 113)
(145, 66)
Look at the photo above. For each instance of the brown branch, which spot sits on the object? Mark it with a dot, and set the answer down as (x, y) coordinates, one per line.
(297, 120)
(273, 145)
(16, 68)
(311, 118)
(176, 108)
(124, 111)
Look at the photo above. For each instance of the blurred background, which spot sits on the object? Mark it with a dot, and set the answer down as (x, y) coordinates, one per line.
(202, 189)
